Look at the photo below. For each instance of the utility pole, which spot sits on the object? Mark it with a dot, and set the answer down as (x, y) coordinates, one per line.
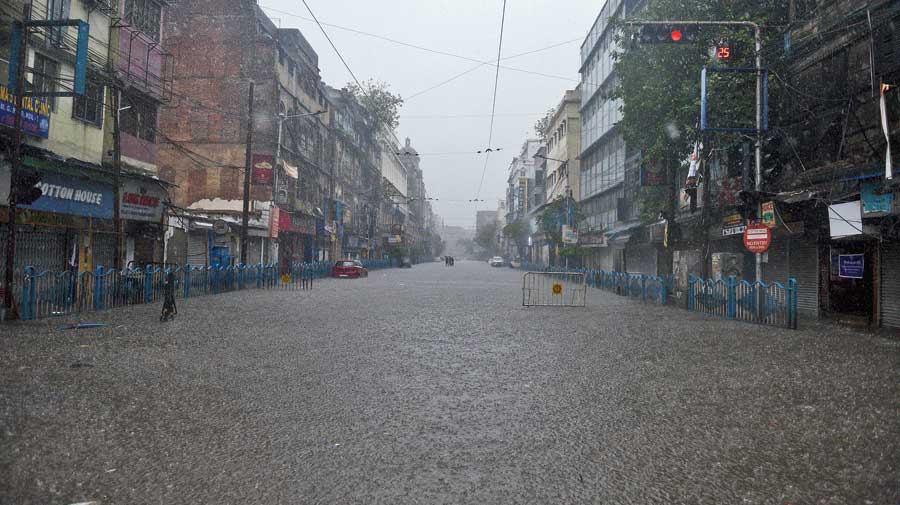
(9, 283)
(117, 174)
(248, 174)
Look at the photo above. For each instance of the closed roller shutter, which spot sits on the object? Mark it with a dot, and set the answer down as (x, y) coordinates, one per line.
(641, 260)
(104, 249)
(198, 248)
(44, 249)
(776, 268)
(890, 285)
(804, 265)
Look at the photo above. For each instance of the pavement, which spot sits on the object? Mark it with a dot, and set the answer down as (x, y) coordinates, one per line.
(434, 385)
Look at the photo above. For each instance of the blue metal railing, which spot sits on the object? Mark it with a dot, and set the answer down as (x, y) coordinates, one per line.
(46, 293)
(758, 302)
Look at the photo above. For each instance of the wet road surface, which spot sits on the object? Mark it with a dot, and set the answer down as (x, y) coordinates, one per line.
(433, 385)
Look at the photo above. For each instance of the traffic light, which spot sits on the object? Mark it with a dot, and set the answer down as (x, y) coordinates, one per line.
(668, 34)
(26, 186)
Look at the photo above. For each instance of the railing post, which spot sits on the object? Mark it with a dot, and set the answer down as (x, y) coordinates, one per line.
(690, 293)
(98, 288)
(28, 297)
(148, 284)
(644, 288)
(732, 298)
(664, 291)
(793, 316)
(187, 280)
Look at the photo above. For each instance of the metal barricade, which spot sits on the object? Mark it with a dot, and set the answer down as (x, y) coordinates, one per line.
(554, 289)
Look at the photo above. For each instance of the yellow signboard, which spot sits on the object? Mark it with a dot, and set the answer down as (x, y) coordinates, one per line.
(557, 289)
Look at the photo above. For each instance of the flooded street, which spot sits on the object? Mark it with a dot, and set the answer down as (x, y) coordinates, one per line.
(449, 392)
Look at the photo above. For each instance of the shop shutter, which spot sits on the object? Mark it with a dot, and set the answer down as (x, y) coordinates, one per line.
(776, 268)
(804, 266)
(104, 245)
(44, 249)
(198, 248)
(890, 285)
(641, 260)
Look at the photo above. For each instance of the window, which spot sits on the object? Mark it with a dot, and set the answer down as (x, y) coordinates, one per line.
(44, 76)
(89, 107)
(140, 119)
(57, 9)
(144, 15)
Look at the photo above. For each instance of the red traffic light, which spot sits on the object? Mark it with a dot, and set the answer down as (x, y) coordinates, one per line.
(676, 35)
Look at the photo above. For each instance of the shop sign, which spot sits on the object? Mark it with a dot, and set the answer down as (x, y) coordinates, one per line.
(594, 240)
(394, 239)
(274, 221)
(875, 204)
(569, 235)
(768, 214)
(733, 224)
(653, 173)
(35, 113)
(851, 266)
(220, 227)
(757, 238)
(67, 195)
(296, 223)
(142, 201)
(263, 165)
(845, 219)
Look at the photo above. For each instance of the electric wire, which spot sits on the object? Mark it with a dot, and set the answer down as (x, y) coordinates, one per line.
(494, 100)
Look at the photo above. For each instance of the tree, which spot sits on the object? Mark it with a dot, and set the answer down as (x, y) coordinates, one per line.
(659, 84)
(383, 105)
(540, 126)
(517, 232)
(486, 237)
(437, 245)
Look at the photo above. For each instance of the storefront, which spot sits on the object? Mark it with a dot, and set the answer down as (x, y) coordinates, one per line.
(296, 235)
(70, 225)
(142, 209)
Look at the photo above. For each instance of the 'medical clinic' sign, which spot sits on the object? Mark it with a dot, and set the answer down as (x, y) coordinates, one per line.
(35, 113)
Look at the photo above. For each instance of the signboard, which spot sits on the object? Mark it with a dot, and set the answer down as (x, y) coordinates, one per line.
(142, 201)
(296, 223)
(845, 219)
(263, 165)
(594, 240)
(653, 173)
(394, 239)
(733, 224)
(66, 195)
(35, 113)
(768, 214)
(220, 227)
(274, 219)
(875, 204)
(851, 266)
(757, 238)
(569, 235)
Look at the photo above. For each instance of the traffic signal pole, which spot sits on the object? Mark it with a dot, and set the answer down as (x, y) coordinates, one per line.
(9, 283)
(757, 36)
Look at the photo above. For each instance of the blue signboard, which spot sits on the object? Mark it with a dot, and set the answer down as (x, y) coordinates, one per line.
(873, 201)
(851, 266)
(71, 195)
(35, 113)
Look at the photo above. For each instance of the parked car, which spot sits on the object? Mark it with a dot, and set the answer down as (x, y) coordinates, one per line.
(349, 269)
(496, 261)
(405, 262)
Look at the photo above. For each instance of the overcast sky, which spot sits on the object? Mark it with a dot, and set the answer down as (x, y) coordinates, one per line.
(468, 28)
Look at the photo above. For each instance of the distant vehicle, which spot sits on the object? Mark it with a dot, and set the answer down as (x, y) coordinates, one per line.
(496, 261)
(405, 262)
(349, 269)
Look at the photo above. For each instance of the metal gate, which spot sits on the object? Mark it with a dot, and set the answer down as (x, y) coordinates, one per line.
(198, 248)
(890, 285)
(557, 289)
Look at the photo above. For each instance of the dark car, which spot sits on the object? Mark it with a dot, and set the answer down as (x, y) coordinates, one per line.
(405, 262)
(349, 269)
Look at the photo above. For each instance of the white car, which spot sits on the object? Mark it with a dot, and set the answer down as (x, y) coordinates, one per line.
(496, 261)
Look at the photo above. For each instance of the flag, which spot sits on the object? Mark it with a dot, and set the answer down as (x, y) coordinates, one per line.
(888, 170)
(694, 167)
